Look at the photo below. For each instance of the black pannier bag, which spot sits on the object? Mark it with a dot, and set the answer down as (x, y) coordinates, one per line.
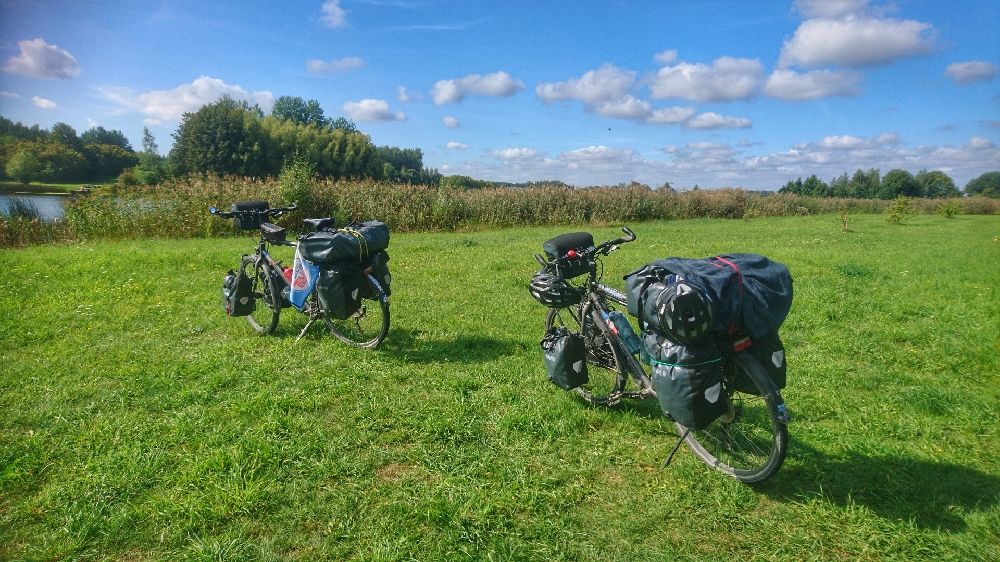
(272, 233)
(687, 379)
(380, 271)
(565, 358)
(354, 242)
(252, 220)
(558, 247)
(339, 289)
(770, 353)
(237, 294)
(636, 284)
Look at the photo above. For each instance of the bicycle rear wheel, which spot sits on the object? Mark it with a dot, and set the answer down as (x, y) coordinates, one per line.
(266, 292)
(369, 325)
(605, 358)
(749, 443)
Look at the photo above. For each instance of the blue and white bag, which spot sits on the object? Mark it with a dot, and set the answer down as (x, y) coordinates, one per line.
(304, 276)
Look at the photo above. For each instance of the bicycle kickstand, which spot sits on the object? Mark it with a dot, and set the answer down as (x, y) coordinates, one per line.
(303, 332)
(677, 446)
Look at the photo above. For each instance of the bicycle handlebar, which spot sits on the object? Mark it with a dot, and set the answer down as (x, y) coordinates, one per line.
(272, 212)
(583, 253)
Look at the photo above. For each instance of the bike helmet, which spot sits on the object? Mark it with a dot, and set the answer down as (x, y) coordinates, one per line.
(553, 291)
(683, 312)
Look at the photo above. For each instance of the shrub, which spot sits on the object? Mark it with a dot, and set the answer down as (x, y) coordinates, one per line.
(899, 208)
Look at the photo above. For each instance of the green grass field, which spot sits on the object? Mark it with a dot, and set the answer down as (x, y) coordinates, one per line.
(138, 422)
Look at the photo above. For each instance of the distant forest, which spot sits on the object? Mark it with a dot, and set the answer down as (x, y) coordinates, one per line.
(898, 182)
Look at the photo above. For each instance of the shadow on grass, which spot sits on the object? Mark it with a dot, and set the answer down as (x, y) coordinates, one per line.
(410, 346)
(932, 495)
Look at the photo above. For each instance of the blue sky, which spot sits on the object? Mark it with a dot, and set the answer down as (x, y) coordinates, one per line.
(710, 93)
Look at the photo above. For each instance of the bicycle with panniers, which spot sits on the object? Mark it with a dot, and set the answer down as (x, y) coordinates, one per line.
(720, 387)
(340, 275)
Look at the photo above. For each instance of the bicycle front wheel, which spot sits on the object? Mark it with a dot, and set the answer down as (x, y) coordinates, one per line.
(369, 325)
(267, 294)
(605, 358)
(749, 442)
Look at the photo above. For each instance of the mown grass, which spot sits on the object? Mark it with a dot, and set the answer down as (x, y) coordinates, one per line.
(138, 422)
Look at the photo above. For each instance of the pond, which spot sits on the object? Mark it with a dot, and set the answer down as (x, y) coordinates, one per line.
(49, 207)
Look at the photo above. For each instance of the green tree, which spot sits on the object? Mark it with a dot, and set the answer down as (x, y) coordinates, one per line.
(793, 186)
(865, 185)
(152, 166)
(935, 184)
(24, 166)
(63, 133)
(899, 182)
(987, 184)
(108, 160)
(299, 111)
(841, 186)
(9, 128)
(100, 135)
(61, 163)
(221, 138)
(815, 187)
(344, 124)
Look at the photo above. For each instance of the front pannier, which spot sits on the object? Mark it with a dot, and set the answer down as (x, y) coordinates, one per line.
(237, 294)
(339, 289)
(248, 214)
(354, 243)
(558, 247)
(687, 379)
(565, 358)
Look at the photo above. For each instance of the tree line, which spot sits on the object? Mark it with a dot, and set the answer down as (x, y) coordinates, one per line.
(932, 184)
(223, 138)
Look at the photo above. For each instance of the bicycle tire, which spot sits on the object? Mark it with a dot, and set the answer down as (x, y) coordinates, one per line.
(752, 446)
(367, 327)
(266, 292)
(605, 357)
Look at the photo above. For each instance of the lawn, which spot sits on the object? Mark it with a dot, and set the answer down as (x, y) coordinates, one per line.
(138, 422)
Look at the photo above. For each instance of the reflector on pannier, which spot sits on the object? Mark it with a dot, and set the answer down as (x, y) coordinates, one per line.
(354, 242)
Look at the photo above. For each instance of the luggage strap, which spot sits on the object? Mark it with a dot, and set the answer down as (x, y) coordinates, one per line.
(362, 243)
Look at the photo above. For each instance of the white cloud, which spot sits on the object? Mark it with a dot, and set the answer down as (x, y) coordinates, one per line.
(41, 60)
(371, 111)
(170, 105)
(43, 103)
(516, 154)
(830, 8)
(624, 108)
(727, 79)
(333, 14)
(498, 84)
(151, 121)
(451, 122)
(596, 86)
(793, 86)
(9, 95)
(671, 115)
(973, 71)
(456, 146)
(855, 42)
(316, 66)
(710, 120)
(980, 143)
(91, 123)
(666, 57)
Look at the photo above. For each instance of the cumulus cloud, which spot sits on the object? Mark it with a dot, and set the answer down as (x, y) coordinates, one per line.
(671, 115)
(517, 154)
(456, 146)
(43, 103)
(333, 14)
(371, 111)
(624, 108)
(855, 41)
(666, 57)
(319, 67)
(794, 86)
(725, 80)
(451, 122)
(596, 86)
(710, 120)
(170, 105)
(830, 8)
(41, 60)
(973, 71)
(498, 84)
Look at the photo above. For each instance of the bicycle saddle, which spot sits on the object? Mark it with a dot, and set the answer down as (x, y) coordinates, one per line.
(320, 223)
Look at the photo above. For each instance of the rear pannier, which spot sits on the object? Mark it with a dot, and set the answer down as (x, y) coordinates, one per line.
(770, 353)
(380, 271)
(687, 379)
(354, 243)
(237, 294)
(559, 246)
(565, 358)
(339, 289)
(251, 220)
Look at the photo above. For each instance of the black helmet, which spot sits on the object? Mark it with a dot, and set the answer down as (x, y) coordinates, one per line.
(553, 291)
(683, 312)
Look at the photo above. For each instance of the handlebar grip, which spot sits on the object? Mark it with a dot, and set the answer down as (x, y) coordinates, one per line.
(541, 260)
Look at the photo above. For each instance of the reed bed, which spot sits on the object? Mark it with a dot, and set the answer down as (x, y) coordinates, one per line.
(179, 208)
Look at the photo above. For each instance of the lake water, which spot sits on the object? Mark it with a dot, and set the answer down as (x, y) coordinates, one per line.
(50, 207)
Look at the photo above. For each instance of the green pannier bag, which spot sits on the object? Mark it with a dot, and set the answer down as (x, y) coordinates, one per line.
(565, 358)
(354, 243)
(339, 289)
(380, 271)
(237, 294)
(687, 379)
(770, 353)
